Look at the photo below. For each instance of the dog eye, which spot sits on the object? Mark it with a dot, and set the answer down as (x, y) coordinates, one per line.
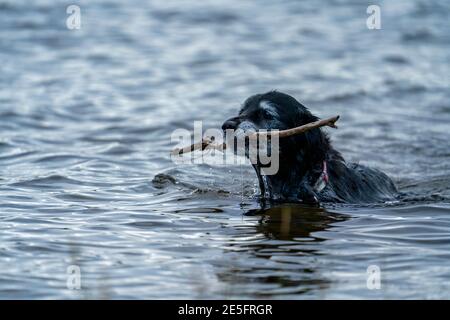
(267, 115)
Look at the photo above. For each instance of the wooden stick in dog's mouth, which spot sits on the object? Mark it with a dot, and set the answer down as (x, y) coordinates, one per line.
(208, 142)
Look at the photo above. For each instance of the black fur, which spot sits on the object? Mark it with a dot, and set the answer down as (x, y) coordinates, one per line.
(302, 157)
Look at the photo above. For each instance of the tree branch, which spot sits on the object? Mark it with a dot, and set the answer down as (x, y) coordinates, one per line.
(208, 142)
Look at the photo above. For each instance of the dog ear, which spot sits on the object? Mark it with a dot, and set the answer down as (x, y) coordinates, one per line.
(313, 143)
(303, 116)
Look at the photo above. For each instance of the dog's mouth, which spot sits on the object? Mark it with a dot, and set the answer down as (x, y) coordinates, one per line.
(238, 139)
(245, 141)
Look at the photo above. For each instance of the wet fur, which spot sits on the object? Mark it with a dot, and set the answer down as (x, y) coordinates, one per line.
(302, 156)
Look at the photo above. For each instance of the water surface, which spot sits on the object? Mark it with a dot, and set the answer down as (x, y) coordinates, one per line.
(85, 173)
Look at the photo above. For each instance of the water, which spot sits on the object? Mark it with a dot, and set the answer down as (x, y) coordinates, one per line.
(86, 177)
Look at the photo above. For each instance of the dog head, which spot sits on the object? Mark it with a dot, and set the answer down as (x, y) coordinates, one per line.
(300, 156)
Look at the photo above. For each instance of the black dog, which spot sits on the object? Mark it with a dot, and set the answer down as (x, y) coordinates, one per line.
(310, 170)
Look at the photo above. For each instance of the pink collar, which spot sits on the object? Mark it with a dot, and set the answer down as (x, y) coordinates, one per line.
(322, 182)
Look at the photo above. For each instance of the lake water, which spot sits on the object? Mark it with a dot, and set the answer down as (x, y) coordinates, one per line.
(86, 178)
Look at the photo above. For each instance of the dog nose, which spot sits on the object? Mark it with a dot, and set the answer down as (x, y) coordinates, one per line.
(231, 123)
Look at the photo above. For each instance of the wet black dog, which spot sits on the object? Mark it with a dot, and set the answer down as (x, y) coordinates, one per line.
(310, 169)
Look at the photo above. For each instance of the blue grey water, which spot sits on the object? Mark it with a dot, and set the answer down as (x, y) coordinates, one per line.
(86, 178)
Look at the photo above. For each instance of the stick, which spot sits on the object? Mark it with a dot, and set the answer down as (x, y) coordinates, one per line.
(208, 142)
(330, 122)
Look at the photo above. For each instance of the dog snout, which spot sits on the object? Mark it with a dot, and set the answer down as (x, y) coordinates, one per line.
(231, 123)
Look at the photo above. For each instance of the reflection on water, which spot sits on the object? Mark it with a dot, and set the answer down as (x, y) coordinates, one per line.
(293, 222)
(288, 231)
(86, 178)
